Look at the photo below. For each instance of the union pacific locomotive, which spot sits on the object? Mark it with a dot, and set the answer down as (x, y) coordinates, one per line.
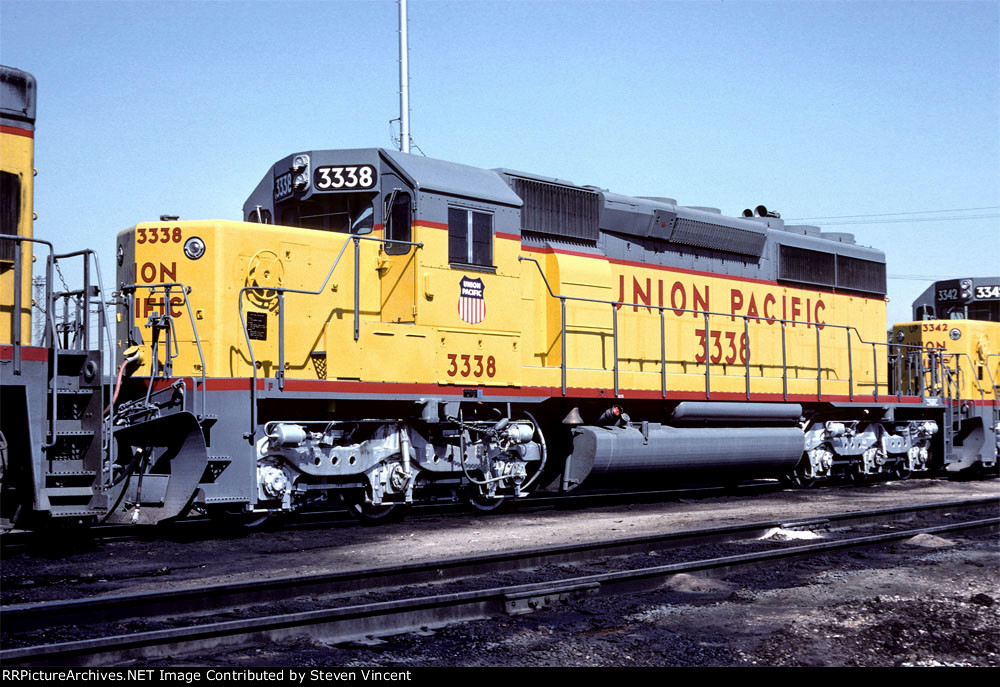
(385, 328)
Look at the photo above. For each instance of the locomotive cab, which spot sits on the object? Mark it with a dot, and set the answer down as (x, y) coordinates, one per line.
(359, 278)
(327, 197)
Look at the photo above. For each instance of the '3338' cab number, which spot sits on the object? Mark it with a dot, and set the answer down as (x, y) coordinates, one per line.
(347, 177)
(283, 186)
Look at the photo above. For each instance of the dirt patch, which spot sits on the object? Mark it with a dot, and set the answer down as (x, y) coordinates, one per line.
(691, 584)
(929, 541)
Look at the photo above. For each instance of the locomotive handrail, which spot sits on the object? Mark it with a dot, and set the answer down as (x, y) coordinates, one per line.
(49, 319)
(958, 355)
(952, 378)
(166, 286)
(106, 443)
(51, 329)
(86, 288)
(281, 291)
(818, 326)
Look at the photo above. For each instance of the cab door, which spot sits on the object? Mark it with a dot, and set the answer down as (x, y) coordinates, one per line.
(397, 264)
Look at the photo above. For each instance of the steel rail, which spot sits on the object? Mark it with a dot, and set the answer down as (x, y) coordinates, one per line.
(579, 498)
(24, 617)
(334, 625)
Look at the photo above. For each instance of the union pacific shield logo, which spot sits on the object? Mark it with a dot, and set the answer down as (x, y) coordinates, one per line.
(471, 304)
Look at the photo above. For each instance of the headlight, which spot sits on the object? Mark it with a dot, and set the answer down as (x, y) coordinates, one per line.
(301, 172)
(900, 336)
(194, 248)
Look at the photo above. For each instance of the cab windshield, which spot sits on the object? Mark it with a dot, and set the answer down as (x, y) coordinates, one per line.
(346, 213)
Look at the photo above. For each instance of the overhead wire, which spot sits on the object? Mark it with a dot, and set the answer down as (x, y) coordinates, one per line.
(913, 219)
(889, 214)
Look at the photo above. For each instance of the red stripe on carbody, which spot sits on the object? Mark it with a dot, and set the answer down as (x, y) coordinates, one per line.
(416, 389)
(682, 270)
(16, 131)
(32, 353)
(548, 251)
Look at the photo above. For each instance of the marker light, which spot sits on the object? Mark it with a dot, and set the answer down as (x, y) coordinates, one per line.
(194, 248)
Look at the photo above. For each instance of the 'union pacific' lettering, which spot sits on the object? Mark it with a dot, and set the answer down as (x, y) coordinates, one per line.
(144, 307)
(678, 294)
(153, 273)
(147, 273)
(690, 298)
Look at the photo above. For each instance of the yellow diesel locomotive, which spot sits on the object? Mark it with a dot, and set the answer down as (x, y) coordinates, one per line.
(951, 350)
(385, 328)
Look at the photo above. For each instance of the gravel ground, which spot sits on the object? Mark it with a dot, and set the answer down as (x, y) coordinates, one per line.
(927, 602)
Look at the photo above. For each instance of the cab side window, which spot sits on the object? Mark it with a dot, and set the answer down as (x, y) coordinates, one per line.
(10, 212)
(397, 222)
(470, 237)
(260, 216)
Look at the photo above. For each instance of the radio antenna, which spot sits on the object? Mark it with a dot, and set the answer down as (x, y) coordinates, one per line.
(404, 83)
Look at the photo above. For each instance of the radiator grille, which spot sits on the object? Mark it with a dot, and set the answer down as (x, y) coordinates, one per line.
(828, 269)
(808, 266)
(716, 237)
(861, 275)
(558, 210)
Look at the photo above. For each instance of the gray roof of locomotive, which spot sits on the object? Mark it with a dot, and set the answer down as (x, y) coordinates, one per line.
(650, 229)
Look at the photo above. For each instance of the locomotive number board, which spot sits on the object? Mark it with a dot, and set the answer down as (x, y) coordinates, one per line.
(346, 177)
(283, 186)
(988, 292)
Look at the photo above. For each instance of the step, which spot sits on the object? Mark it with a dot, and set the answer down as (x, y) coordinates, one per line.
(217, 464)
(68, 491)
(72, 383)
(68, 468)
(67, 427)
(73, 511)
(72, 353)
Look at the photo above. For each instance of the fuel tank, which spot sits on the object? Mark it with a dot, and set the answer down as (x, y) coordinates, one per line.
(656, 449)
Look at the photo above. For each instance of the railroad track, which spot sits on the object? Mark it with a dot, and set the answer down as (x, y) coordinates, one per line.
(344, 619)
(205, 528)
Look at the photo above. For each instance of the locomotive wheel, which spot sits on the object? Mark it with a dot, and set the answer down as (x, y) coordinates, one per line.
(901, 472)
(368, 514)
(859, 477)
(482, 503)
(798, 479)
(236, 519)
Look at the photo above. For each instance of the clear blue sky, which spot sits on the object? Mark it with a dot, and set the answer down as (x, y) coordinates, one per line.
(811, 108)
